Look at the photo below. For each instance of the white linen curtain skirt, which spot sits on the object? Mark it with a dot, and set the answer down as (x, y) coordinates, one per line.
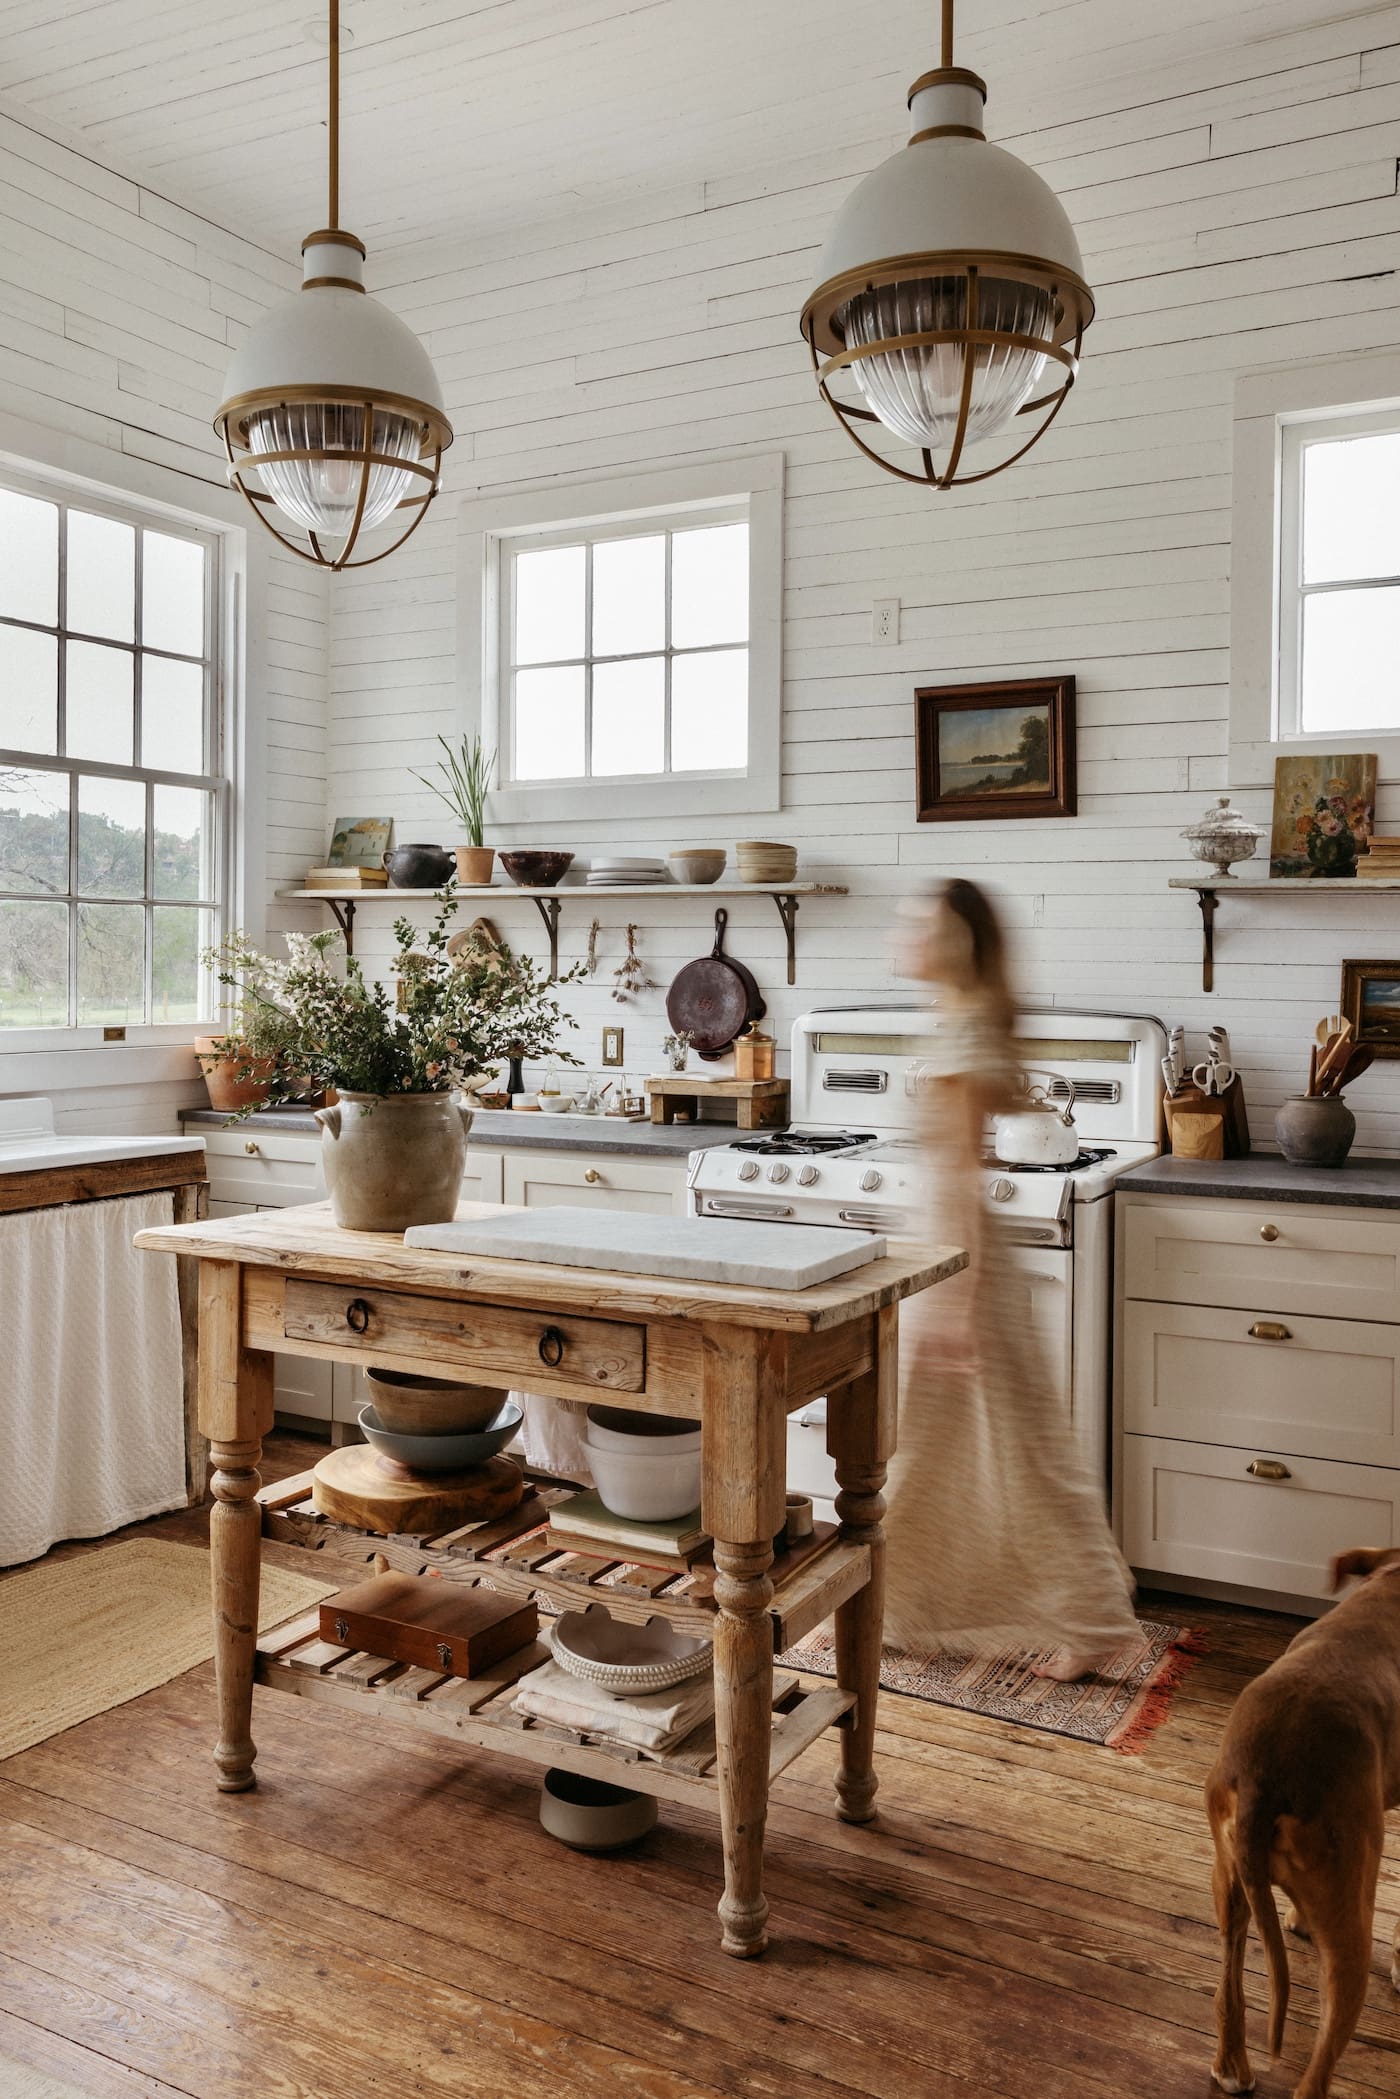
(92, 1415)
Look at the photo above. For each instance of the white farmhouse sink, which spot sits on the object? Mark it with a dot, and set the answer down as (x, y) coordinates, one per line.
(29, 1144)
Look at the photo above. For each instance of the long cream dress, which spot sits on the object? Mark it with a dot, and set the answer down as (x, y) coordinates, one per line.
(997, 1536)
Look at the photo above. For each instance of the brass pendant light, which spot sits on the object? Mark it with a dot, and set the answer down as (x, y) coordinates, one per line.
(952, 296)
(333, 414)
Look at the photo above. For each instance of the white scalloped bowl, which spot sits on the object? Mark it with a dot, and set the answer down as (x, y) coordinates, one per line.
(628, 1660)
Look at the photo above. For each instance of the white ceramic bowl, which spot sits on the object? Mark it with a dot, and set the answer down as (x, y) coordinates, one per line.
(556, 1103)
(624, 1428)
(703, 864)
(590, 1815)
(646, 1488)
(628, 1660)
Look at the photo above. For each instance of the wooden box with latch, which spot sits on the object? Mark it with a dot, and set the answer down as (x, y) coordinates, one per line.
(431, 1623)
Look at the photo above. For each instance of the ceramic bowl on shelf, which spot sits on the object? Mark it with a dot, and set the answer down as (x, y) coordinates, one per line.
(699, 864)
(536, 870)
(628, 1660)
(588, 1814)
(759, 860)
(556, 1103)
(406, 1405)
(645, 1466)
(442, 1453)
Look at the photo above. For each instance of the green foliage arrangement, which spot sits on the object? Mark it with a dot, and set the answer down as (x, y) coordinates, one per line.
(463, 781)
(455, 1018)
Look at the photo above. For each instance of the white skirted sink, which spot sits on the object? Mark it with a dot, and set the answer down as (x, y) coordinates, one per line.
(29, 1144)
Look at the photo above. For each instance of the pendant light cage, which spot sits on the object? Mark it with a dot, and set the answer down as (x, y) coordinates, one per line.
(334, 416)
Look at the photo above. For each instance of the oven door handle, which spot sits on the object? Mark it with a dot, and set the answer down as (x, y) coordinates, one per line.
(871, 1219)
(716, 1206)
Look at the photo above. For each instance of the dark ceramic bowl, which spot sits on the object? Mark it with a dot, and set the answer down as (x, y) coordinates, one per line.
(531, 870)
(420, 867)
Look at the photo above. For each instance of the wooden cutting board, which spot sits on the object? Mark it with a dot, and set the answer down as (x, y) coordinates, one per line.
(350, 1486)
(432, 1623)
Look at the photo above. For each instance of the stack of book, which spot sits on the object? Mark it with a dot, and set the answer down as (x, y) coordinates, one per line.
(1382, 862)
(347, 878)
(582, 1524)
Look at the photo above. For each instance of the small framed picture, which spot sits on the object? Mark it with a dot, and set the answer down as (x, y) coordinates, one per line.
(1371, 1002)
(996, 750)
(359, 841)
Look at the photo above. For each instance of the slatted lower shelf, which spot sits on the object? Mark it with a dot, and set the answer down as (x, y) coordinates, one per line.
(477, 1710)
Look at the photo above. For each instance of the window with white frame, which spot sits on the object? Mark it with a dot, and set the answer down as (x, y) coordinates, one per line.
(630, 642)
(112, 790)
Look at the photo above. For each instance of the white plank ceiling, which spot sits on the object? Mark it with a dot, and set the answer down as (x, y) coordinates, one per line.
(465, 118)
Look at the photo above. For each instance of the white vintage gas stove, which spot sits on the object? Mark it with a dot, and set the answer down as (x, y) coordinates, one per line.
(852, 1158)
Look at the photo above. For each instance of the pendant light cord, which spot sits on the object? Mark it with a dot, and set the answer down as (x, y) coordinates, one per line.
(947, 58)
(333, 203)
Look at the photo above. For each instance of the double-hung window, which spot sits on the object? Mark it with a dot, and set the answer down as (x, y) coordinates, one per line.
(112, 789)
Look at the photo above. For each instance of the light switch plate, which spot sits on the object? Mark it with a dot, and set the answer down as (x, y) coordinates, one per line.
(884, 622)
(612, 1046)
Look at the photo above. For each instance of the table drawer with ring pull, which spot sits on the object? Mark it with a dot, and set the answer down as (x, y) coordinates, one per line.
(1325, 1388)
(595, 1354)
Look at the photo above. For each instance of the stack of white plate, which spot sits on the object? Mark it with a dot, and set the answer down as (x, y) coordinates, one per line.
(626, 874)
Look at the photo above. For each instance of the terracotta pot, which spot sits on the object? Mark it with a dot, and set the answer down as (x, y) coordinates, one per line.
(1315, 1130)
(474, 864)
(227, 1091)
(395, 1160)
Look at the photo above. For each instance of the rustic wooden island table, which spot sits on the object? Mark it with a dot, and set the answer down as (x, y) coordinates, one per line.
(738, 1358)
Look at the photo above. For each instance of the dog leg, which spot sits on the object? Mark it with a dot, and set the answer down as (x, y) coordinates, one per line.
(1342, 1935)
(1231, 2070)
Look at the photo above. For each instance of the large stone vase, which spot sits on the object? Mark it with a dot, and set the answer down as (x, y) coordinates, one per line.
(394, 1160)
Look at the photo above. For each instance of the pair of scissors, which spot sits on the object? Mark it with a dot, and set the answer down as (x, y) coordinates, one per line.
(1216, 1076)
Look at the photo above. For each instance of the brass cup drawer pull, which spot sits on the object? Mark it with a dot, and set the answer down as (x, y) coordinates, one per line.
(1270, 1330)
(551, 1348)
(1268, 1469)
(357, 1315)
(1269, 1232)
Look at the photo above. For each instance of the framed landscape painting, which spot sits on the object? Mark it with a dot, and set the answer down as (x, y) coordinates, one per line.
(996, 750)
(1371, 1002)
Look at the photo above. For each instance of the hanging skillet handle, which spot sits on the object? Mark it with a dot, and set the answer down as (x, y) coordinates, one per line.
(721, 921)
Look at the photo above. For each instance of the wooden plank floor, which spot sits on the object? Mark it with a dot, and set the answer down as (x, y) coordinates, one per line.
(385, 1916)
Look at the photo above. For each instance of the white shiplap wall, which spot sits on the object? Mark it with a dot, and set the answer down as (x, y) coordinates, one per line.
(1237, 211)
(118, 313)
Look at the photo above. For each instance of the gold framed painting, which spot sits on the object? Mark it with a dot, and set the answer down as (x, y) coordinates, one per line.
(1371, 1002)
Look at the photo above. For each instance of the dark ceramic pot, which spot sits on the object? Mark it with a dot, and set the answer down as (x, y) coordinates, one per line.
(420, 866)
(1315, 1130)
(536, 870)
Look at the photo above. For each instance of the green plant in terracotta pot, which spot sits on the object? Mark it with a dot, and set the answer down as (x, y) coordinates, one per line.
(394, 1145)
(462, 780)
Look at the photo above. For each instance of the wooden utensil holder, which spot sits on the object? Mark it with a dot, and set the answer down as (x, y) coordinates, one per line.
(1208, 1125)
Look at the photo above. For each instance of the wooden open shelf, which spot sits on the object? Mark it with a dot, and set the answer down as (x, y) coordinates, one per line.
(1210, 888)
(514, 1555)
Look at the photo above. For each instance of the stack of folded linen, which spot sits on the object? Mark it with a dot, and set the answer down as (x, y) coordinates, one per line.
(655, 1720)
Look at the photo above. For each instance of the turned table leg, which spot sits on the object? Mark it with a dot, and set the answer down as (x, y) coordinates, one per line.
(235, 1411)
(743, 1506)
(861, 1421)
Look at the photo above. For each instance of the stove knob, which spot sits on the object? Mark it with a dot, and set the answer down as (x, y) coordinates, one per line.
(779, 1172)
(808, 1177)
(749, 1170)
(871, 1180)
(1002, 1188)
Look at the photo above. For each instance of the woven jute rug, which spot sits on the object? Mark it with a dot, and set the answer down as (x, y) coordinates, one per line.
(79, 1636)
(1120, 1706)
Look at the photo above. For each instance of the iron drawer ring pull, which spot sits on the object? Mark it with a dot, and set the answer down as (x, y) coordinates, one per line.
(1268, 1469)
(551, 1348)
(357, 1315)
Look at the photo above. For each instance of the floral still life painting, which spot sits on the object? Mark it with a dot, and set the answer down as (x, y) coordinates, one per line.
(1323, 811)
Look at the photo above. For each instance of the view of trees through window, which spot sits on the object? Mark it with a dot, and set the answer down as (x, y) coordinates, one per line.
(109, 794)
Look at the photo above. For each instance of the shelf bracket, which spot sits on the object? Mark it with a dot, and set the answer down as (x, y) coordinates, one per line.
(787, 912)
(548, 908)
(1208, 901)
(345, 919)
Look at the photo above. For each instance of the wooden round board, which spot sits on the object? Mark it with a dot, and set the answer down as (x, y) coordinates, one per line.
(350, 1486)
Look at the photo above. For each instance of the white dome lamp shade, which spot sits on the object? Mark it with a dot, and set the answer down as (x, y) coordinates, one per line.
(952, 304)
(333, 415)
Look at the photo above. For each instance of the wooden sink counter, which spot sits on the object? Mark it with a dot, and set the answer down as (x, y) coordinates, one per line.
(738, 1358)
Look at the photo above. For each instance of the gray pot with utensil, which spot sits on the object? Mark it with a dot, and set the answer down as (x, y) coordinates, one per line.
(1315, 1129)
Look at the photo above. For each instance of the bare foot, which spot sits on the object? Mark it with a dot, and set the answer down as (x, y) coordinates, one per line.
(1066, 1667)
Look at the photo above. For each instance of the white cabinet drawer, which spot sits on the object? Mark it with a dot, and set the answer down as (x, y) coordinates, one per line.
(1194, 1509)
(602, 1181)
(1322, 1388)
(482, 1182)
(1284, 1257)
(274, 1169)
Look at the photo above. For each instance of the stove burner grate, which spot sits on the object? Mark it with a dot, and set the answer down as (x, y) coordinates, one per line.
(794, 1141)
(1085, 1158)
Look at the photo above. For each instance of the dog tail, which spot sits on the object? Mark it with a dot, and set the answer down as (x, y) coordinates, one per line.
(1255, 1820)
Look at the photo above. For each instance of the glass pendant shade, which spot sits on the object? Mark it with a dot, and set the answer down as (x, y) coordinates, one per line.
(320, 490)
(917, 391)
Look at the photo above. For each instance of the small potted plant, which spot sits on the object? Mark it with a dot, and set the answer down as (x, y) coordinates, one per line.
(463, 781)
(395, 1143)
(677, 1048)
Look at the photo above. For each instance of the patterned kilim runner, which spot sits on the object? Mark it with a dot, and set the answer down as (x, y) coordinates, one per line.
(1120, 1706)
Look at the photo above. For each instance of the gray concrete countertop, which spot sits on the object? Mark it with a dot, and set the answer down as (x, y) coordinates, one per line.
(504, 1128)
(1361, 1184)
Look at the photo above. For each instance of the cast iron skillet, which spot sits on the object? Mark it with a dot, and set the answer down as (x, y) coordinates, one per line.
(715, 998)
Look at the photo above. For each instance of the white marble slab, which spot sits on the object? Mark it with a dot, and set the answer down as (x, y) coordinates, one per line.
(699, 1249)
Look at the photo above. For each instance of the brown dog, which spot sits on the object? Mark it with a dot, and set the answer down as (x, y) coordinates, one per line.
(1309, 1764)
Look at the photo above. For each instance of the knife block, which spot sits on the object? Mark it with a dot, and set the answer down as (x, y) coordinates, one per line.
(1208, 1125)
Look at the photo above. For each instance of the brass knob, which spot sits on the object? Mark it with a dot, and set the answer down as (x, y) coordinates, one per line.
(1270, 1330)
(592, 1175)
(251, 1147)
(1269, 1232)
(1268, 1469)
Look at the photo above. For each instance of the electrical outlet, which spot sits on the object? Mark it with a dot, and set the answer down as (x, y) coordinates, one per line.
(612, 1046)
(884, 622)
